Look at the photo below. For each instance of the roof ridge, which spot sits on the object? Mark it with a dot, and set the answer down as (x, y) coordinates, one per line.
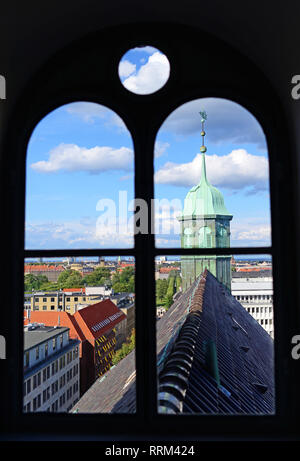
(174, 377)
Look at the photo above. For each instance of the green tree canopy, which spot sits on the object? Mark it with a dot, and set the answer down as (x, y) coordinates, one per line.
(126, 348)
(34, 282)
(161, 289)
(124, 281)
(69, 279)
(100, 276)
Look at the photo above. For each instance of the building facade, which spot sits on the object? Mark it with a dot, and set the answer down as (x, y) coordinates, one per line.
(256, 296)
(100, 329)
(205, 223)
(66, 300)
(104, 328)
(51, 369)
(51, 271)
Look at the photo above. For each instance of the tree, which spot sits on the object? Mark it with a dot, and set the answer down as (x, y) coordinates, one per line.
(124, 281)
(69, 279)
(161, 289)
(34, 282)
(98, 277)
(126, 348)
(120, 287)
(178, 282)
(170, 292)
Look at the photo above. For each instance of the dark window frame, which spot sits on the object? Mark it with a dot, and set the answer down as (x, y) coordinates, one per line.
(143, 116)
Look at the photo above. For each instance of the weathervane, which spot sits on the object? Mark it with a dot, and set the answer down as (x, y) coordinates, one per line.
(203, 119)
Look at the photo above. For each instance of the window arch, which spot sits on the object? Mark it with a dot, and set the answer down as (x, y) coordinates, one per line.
(188, 234)
(79, 180)
(205, 237)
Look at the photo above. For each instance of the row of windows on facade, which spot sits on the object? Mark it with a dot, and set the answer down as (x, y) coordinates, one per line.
(260, 310)
(38, 349)
(264, 321)
(204, 238)
(36, 403)
(52, 308)
(254, 297)
(52, 300)
(48, 372)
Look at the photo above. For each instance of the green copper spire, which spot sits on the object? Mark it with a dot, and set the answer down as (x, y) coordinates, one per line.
(205, 223)
(204, 199)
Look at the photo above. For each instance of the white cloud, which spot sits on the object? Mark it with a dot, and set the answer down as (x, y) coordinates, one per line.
(92, 232)
(76, 234)
(235, 171)
(250, 232)
(70, 157)
(151, 76)
(126, 68)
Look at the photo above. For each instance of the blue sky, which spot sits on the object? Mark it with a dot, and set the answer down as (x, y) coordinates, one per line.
(80, 156)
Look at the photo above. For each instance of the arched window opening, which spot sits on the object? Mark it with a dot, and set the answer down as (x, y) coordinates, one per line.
(79, 309)
(79, 180)
(218, 170)
(213, 161)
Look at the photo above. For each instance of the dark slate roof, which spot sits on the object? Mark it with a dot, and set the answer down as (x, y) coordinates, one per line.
(40, 334)
(212, 357)
(115, 391)
(222, 361)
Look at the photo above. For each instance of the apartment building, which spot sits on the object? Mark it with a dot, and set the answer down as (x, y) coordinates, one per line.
(66, 300)
(100, 328)
(51, 369)
(256, 296)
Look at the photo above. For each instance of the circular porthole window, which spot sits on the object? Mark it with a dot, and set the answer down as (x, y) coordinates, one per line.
(144, 70)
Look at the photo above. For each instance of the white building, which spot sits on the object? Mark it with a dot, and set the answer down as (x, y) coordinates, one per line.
(101, 291)
(256, 295)
(51, 369)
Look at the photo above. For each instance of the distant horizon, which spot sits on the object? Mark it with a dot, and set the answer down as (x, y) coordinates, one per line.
(115, 258)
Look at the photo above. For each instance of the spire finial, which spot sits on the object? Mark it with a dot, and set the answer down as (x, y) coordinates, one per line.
(203, 119)
(203, 148)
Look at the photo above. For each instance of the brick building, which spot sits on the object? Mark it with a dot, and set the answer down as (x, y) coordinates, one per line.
(52, 272)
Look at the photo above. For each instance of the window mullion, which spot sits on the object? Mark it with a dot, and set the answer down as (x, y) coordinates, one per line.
(145, 284)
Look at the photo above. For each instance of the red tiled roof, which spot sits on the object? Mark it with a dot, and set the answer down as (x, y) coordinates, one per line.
(86, 324)
(74, 290)
(252, 269)
(124, 266)
(42, 268)
(54, 318)
(96, 319)
(168, 269)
